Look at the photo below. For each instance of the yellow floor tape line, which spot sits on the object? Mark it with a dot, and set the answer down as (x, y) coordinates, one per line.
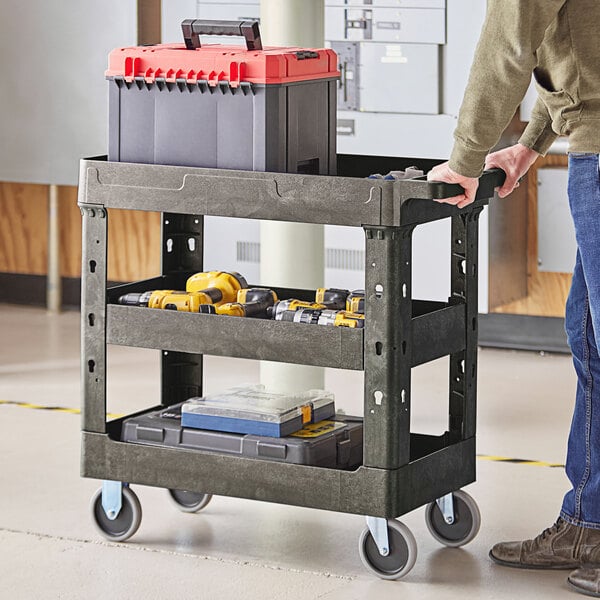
(73, 411)
(76, 411)
(520, 461)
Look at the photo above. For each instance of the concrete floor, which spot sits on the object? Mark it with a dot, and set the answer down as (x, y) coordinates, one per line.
(243, 549)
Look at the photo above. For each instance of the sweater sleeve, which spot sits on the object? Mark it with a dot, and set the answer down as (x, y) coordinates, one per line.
(504, 60)
(538, 134)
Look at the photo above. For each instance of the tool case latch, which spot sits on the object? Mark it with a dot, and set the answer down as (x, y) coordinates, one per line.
(344, 447)
(271, 450)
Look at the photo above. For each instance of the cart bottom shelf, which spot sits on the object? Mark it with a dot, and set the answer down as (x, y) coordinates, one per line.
(385, 493)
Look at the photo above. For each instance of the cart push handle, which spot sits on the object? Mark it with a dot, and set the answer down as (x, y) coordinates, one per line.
(488, 181)
(194, 28)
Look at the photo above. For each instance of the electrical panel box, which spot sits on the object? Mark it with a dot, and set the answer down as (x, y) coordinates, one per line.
(398, 3)
(384, 24)
(389, 56)
(557, 246)
(401, 78)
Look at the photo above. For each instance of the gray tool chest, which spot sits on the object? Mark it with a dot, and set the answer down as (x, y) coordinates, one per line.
(400, 470)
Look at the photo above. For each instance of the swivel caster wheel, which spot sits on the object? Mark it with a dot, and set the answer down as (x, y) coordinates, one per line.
(460, 528)
(127, 521)
(189, 502)
(401, 552)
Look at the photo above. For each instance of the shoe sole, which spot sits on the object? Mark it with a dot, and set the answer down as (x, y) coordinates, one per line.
(505, 563)
(581, 590)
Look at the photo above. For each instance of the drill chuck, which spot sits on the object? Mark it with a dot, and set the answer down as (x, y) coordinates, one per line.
(135, 299)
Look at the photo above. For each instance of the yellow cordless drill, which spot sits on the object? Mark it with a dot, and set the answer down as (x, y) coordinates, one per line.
(211, 287)
(315, 316)
(325, 299)
(290, 305)
(165, 299)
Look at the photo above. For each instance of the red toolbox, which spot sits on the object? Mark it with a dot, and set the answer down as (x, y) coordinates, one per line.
(271, 109)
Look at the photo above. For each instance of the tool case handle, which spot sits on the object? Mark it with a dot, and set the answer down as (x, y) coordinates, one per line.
(194, 28)
(489, 179)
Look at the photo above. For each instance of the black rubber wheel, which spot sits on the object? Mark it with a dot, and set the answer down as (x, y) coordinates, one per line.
(127, 522)
(467, 520)
(402, 553)
(190, 502)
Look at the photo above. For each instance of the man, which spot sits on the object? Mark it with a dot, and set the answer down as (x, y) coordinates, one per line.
(557, 41)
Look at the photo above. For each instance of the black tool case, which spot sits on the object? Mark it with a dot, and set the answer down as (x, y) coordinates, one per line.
(400, 469)
(333, 443)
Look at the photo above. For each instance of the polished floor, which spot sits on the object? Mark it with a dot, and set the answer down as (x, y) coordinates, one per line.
(252, 550)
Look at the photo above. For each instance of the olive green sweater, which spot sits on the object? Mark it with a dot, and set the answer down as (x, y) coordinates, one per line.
(556, 40)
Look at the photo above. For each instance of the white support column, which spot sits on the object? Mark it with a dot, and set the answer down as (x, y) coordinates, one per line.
(53, 280)
(291, 254)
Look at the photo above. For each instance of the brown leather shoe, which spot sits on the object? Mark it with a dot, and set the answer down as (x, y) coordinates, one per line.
(586, 581)
(562, 546)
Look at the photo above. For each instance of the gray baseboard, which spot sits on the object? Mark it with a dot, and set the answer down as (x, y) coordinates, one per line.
(523, 332)
(30, 290)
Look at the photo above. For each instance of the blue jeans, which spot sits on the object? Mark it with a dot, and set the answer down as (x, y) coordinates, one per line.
(581, 505)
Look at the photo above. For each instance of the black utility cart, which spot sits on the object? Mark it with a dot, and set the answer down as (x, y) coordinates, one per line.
(400, 470)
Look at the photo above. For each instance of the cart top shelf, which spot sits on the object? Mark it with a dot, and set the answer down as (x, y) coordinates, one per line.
(345, 199)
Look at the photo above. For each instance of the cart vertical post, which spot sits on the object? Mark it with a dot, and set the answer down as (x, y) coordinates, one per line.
(93, 314)
(183, 250)
(387, 351)
(463, 365)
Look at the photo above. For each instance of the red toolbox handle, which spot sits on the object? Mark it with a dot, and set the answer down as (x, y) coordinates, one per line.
(194, 28)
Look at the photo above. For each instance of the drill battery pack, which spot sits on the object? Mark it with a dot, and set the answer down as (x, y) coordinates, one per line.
(252, 409)
(333, 443)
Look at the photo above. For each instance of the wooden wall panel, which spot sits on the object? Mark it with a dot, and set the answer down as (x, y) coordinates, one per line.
(149, 20)
(134, 237)
(23, 228)
(134, 245)
(70, 232)
(546, 292)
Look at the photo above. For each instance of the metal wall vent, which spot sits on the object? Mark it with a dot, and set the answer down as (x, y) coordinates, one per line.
(344, 259)
(248, 252)
(335, 258)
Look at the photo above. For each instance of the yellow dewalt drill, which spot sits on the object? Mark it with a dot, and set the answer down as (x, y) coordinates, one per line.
(211, 287)
(291, 305)
(315, 316)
